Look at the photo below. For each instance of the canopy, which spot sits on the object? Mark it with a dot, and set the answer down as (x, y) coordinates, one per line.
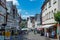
(25, 29)
(47, 26)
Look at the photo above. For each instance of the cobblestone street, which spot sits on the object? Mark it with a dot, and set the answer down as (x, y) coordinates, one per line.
(31, 36)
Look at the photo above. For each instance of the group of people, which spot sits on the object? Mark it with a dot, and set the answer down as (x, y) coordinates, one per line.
(52, 34)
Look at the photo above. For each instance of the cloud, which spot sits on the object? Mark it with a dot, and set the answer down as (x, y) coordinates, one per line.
(31, 0)
(19, 10)
(26, 12)
(25, 16)
(23, 11)
(15, 2)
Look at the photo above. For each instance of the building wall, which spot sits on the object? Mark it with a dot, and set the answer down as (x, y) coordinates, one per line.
(58, 5)
(29, 24)
(13, 16)
(10, 20)
(2, 11)
(48, 12)
(37, 20)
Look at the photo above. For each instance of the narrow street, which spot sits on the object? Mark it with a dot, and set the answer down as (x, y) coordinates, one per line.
(27, 19)
(31, 36)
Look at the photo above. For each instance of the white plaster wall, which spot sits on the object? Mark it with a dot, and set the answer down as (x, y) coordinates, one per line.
(53, 6)
(35, 24)
(29, 24)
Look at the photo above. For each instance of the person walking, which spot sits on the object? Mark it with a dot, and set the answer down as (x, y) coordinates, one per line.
(53, 34)
(47, 34)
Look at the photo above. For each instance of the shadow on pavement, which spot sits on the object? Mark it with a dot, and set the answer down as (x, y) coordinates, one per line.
(46, 38)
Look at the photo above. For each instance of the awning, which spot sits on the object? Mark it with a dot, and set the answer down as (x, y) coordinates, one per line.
(47, 26)
(25, 29)
(39, 28)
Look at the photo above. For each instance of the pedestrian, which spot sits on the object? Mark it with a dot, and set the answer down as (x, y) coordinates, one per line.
(47, 34)
(53, 34)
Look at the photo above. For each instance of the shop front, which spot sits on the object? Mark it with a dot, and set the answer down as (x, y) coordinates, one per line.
(51, 30)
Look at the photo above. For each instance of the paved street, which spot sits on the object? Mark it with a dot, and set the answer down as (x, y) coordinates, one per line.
(31, 36)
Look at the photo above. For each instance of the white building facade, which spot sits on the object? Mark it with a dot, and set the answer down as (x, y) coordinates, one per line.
(29, 24)
(48, 9)
(37, 20)
(2, 12)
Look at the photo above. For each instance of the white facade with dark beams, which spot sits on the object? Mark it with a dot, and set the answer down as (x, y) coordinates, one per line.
(3, 11)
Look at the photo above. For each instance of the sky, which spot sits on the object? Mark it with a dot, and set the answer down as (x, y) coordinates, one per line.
(28, 8)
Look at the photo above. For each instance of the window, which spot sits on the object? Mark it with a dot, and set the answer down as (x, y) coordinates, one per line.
(46, 7)
(3, 1)
(49, 3)
(54, 1)
(52, 14)
(1, 19)
(1, 10)
(49, 15)
(52, 11)
(46, 16)
(55, 9)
